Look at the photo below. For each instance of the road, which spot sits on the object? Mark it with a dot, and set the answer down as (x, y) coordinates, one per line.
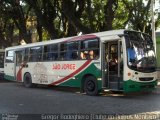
(16, 99)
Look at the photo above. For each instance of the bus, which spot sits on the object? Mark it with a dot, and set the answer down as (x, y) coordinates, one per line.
(117, 60)
(2, 52)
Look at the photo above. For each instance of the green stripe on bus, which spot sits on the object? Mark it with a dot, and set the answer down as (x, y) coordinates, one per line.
(8, 77)
(133, 86)
(90, 70)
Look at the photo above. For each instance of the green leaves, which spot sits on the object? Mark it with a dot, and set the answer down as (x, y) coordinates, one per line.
(50, 19)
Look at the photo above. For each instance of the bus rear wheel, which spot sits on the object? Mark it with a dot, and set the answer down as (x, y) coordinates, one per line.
(91, 86)
(28, 81)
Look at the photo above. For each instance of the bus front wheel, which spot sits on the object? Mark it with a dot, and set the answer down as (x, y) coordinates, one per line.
(91, 86)
(28, 81)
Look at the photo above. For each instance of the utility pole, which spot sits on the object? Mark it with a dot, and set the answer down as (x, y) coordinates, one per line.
(153, 26)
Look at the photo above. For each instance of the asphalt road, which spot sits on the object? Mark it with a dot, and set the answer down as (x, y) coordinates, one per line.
(16, 99)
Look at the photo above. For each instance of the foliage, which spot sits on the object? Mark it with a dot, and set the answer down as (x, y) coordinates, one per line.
(52, 19)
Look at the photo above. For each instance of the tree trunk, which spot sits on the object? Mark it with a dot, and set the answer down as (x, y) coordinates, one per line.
(110, 9)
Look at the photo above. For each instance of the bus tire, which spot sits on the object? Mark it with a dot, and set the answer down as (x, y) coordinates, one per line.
(91, 86)
(28, 81)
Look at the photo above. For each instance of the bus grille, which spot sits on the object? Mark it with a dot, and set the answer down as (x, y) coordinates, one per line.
(146, 79)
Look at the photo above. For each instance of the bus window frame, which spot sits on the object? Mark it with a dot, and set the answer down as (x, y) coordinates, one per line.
(90, 49)
(51, 45)
(13, 57)
(37, 60)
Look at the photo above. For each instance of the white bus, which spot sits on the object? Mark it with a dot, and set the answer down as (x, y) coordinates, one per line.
(1, 63)
(120, 60)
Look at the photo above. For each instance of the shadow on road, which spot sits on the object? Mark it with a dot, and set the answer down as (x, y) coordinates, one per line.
(77, 90)
(4, 81)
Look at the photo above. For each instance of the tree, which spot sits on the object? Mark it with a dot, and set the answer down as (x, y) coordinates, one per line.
(138, 15)
(15, 12)
(6, 26)
(63, 18)
(46, 12)
(110, 9)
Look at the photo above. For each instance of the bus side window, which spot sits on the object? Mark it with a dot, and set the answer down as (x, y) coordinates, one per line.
(26, 55)
(94, 54)
(54, 52)
(69, 51)
(90, 49)
(35, 54)
(62, 51)
(72, 51)
(82, 55)
(9, 57)
(19, 57)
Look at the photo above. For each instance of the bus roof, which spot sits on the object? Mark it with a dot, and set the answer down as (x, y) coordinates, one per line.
(73, 38)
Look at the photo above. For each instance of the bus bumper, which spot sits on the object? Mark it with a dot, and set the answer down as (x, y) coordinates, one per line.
(133, 86)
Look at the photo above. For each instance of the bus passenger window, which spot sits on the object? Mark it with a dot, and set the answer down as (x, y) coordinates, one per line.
(35, 54)
(82, 55)
(90, 49)
(62, 56)
(19, 57)
(26, 55)
(69, 51)
(50, 52)
(9, 56)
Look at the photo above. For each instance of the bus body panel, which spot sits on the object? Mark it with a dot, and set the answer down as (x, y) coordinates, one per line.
(10, 66)
(9, 71)
(73, 72)
(138, 81)
(61, 73)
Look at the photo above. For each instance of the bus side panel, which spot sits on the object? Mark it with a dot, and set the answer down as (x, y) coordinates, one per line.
(9, 65)
(63, 73)
(77, 80)
(9, 70)
(37, 70)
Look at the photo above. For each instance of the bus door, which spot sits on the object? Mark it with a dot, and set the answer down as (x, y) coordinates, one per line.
(112, 65)
(9, 66)
(18, 65)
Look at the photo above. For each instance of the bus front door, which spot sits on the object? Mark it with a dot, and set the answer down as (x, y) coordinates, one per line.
(112, 65)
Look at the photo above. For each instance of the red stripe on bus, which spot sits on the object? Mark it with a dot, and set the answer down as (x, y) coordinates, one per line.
(19, 74)
(83, 37)
(72, 74)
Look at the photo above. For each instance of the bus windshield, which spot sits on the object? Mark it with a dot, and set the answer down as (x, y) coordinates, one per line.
(140, 52)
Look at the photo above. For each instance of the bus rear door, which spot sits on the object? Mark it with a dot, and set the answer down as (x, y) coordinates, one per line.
(9, 67)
